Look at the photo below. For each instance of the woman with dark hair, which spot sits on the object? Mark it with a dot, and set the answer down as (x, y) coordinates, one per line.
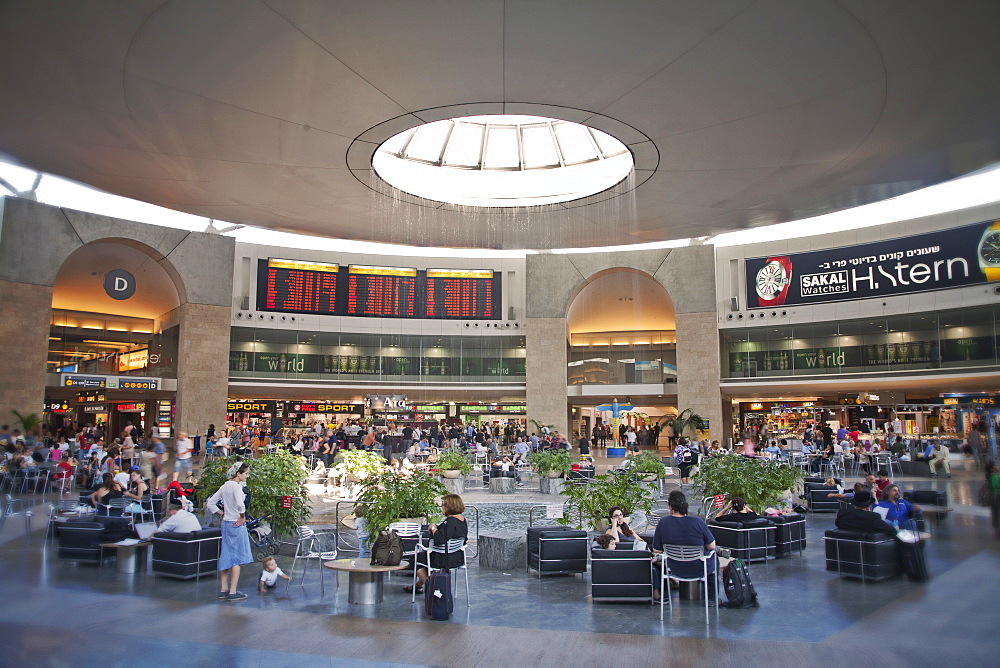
(679, 528)
(454, 526)
(108, 490)
(235, 549)
(621, 531)
(741, 512)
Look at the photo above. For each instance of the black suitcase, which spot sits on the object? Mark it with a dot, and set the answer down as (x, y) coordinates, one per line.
(914, 561)
(438, 601)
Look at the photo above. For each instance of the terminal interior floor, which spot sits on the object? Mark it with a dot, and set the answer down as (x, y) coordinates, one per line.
(60, 613)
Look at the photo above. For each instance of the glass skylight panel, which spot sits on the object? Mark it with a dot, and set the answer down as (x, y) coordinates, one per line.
(575, 143)
(465, 145)
(501, 148)
(539, 147)
(428, 141)
(520, 164)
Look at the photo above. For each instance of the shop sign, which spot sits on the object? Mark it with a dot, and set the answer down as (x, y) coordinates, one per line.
(251, 406)
(131, 408)
(321, 407)
(429, 409)
(138, 359)
(380, 402)
(951, 258)
(757, 407)
(58, 407)
(95, 408)
(971, 400)
(90, 397)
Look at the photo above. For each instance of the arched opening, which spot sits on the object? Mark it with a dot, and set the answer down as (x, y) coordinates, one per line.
(114, 313)
(622, 337)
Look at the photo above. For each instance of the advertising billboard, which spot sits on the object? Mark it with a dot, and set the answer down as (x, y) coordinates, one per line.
(951, 258)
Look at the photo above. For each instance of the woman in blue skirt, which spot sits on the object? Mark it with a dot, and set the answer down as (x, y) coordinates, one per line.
(235, 549)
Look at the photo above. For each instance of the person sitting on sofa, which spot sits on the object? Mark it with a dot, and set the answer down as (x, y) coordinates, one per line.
(178, 520)
(859, 518)
(882, 482)
(620, 531)
(741, 512)
(606, 541)
(899, 511)
(847, 496)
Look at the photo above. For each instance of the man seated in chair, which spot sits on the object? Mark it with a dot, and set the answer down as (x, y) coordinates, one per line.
(858, 517)
(178, 520)
(679, 528)
(900, 513)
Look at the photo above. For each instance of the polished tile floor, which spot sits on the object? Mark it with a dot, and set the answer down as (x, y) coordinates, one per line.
(59, 613)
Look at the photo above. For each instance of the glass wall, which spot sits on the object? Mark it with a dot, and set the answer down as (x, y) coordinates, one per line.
(280, 353)
(959, 338)
(623, 364)
(88, 343)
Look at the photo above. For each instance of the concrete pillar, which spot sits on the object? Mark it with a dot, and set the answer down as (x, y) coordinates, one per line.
(545, 371)
(202, 367)
(698, 368)
(24, 330)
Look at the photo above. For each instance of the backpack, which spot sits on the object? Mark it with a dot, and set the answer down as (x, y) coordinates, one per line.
(739, 590)
(387, 550)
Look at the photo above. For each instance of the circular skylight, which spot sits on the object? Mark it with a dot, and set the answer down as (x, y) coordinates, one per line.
(502, 161)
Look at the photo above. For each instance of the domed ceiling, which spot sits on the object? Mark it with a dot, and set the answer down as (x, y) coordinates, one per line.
(268, 112)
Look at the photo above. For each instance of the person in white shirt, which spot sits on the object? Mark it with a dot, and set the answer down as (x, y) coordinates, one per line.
(221, 447)
(183, 461)
(939, 456)
(235, 548)
(269, 576)
(179, 520)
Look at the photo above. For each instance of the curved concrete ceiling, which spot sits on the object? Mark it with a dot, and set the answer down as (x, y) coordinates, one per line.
(265, 112)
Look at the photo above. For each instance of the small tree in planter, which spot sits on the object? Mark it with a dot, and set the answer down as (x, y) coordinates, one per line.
(271, 477)
(646, 465)
(359, 464)
(592, 501)
(686, 420)
(759, 483)
(551, 463)
(389, 497)
(453, 460)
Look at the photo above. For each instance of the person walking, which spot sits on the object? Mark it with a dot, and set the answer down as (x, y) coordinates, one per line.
(993, 483)
(235, 548)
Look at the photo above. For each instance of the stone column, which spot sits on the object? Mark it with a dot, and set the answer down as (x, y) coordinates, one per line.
(545, 370)
(202, 367)
(698, 368)
(24, 330)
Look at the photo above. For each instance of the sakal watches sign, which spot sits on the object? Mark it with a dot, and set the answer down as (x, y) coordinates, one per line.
(951, 258)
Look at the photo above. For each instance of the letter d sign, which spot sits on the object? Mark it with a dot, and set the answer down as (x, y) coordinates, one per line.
(119, 284)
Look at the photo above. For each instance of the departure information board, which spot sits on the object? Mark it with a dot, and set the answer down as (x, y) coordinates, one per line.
(299, 287)
(460, 293)
(385, 292)
(321, 288)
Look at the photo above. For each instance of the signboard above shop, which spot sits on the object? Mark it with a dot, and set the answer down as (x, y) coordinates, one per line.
(968, 400)
(322, 407)
(952, 258)
(110, 382)
(251, 406)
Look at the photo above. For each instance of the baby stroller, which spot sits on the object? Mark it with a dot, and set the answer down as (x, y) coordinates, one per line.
(262, 537)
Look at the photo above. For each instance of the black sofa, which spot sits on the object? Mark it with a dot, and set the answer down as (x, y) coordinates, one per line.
(789, 534)
(866, 556)
(78, 539)
(749, 541)
(621, 575)
(927, 497)
(818, 498)
(187, 555)
(557, 550)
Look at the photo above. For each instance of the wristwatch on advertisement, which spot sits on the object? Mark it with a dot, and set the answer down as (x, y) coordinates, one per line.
(773, 280)
(989, 252)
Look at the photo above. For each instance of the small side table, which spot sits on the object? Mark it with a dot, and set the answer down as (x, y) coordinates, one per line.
(126, 554)
(365, 581)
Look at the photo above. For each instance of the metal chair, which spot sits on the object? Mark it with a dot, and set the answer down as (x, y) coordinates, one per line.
(408, 532)
(145, 508)
(59, 506)
(685, 554)
(453, 546)
(310, 547)
(113, 508)
(67, 480)
(11, 509)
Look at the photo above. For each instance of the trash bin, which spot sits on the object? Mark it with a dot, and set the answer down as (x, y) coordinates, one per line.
(197, 444)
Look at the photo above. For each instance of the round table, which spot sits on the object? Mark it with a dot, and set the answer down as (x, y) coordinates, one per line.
(364, 579)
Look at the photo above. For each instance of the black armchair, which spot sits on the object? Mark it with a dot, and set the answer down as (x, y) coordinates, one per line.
(78, 539)
(750, 541)
(789, 534)
(557, 550)
(927, 497)
(819, 499)
(621, 575)
(187, 555)
(866, 556)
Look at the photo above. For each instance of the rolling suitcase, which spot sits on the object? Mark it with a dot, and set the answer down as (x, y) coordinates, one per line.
(914, 560)
(438, 601)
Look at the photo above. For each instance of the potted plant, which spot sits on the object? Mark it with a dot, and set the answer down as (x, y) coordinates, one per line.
(359, 464)
(759, 483)
(646, 465)
(686, 420)
(592, 501)
(271, 477)
(453, 464)
(551, 463)
(389, 498)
